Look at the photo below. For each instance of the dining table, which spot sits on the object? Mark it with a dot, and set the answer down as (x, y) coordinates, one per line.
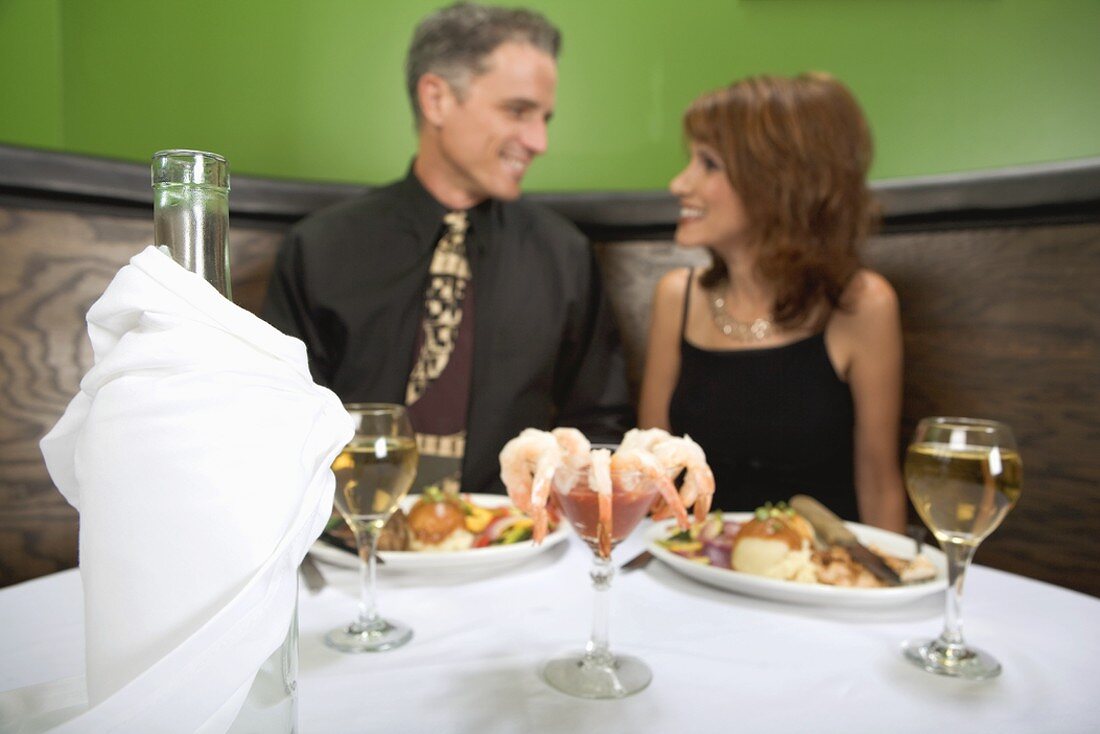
(721, 661)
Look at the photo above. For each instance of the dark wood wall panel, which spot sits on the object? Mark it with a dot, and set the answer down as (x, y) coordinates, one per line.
(1005, 324)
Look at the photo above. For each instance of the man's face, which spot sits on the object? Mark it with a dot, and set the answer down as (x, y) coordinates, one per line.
(489, 134)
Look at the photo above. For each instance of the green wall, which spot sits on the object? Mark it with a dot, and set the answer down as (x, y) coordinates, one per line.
(30, 73)
(313, 89)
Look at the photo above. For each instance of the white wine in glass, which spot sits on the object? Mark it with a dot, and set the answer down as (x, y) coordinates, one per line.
(370, 474)
(373, 474)
(963, 476)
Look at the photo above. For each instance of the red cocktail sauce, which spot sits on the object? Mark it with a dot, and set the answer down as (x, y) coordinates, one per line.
(628, 508)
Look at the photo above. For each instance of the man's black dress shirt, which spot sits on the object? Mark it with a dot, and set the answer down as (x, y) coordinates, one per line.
(349, 281)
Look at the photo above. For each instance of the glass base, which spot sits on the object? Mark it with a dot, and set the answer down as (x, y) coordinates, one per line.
(382, 635)
(956, 661)
(615, 676)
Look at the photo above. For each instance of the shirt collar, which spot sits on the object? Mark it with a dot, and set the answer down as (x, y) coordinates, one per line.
(427, 214)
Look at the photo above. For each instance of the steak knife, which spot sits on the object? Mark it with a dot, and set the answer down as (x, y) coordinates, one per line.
(834, 532)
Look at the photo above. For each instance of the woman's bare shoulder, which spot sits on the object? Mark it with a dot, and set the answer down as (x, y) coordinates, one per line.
(867, 327)
(868, 295)
(672, 285)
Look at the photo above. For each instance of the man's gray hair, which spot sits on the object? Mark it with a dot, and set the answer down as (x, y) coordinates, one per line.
(453, 42)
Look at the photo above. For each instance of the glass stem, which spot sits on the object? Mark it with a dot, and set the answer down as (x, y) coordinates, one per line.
(597, 650)
(958, 560)
(366, 538)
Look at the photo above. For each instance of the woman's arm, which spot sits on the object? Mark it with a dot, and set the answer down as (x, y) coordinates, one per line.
(870, 333)
(662, 362)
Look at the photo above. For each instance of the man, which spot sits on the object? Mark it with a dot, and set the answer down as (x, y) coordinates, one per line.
(446, 292)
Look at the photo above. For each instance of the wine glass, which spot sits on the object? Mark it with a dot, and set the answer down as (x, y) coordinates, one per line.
(373, 475)
(597, 672)
(963, 476)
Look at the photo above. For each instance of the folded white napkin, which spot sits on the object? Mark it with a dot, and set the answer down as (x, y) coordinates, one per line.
(198, 454)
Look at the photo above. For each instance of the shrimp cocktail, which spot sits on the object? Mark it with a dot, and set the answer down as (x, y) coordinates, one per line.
(604, 494)
(603, 519)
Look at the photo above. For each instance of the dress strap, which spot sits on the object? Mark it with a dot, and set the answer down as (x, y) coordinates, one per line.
(687, 302)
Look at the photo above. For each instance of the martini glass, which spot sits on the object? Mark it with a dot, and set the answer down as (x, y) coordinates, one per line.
(596, 672)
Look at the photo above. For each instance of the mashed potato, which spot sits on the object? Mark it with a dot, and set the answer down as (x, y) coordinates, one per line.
(775, 544)
(775, 559)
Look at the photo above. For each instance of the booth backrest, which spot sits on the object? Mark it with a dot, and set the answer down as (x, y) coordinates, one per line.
(1000, 319)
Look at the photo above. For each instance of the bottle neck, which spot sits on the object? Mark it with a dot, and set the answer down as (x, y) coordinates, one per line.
(191, 213)
(192, 224)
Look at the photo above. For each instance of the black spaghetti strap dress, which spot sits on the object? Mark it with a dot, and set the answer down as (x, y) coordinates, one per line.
(773, 422)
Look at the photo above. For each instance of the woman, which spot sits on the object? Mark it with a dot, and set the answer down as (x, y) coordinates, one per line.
(783, 358)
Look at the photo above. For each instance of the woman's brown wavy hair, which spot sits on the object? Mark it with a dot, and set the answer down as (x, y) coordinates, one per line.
(796, 151)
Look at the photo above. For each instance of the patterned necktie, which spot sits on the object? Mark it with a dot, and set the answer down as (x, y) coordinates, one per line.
(448, 276)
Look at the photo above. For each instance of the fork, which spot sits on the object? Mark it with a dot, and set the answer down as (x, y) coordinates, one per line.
(639, 561)
(918, 533)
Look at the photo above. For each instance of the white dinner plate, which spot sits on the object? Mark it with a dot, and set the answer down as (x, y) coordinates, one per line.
(800, 593)
(474, 559)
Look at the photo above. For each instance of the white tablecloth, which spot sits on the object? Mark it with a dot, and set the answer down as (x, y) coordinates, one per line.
(721, 662)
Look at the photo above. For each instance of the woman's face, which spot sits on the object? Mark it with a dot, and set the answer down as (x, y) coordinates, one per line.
(711, 212)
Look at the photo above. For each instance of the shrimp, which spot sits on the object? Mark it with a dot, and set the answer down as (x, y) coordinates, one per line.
(643, 439)
(599, 473)
(634, 460)
(527, 466)
(675, 454)
(574, 447)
